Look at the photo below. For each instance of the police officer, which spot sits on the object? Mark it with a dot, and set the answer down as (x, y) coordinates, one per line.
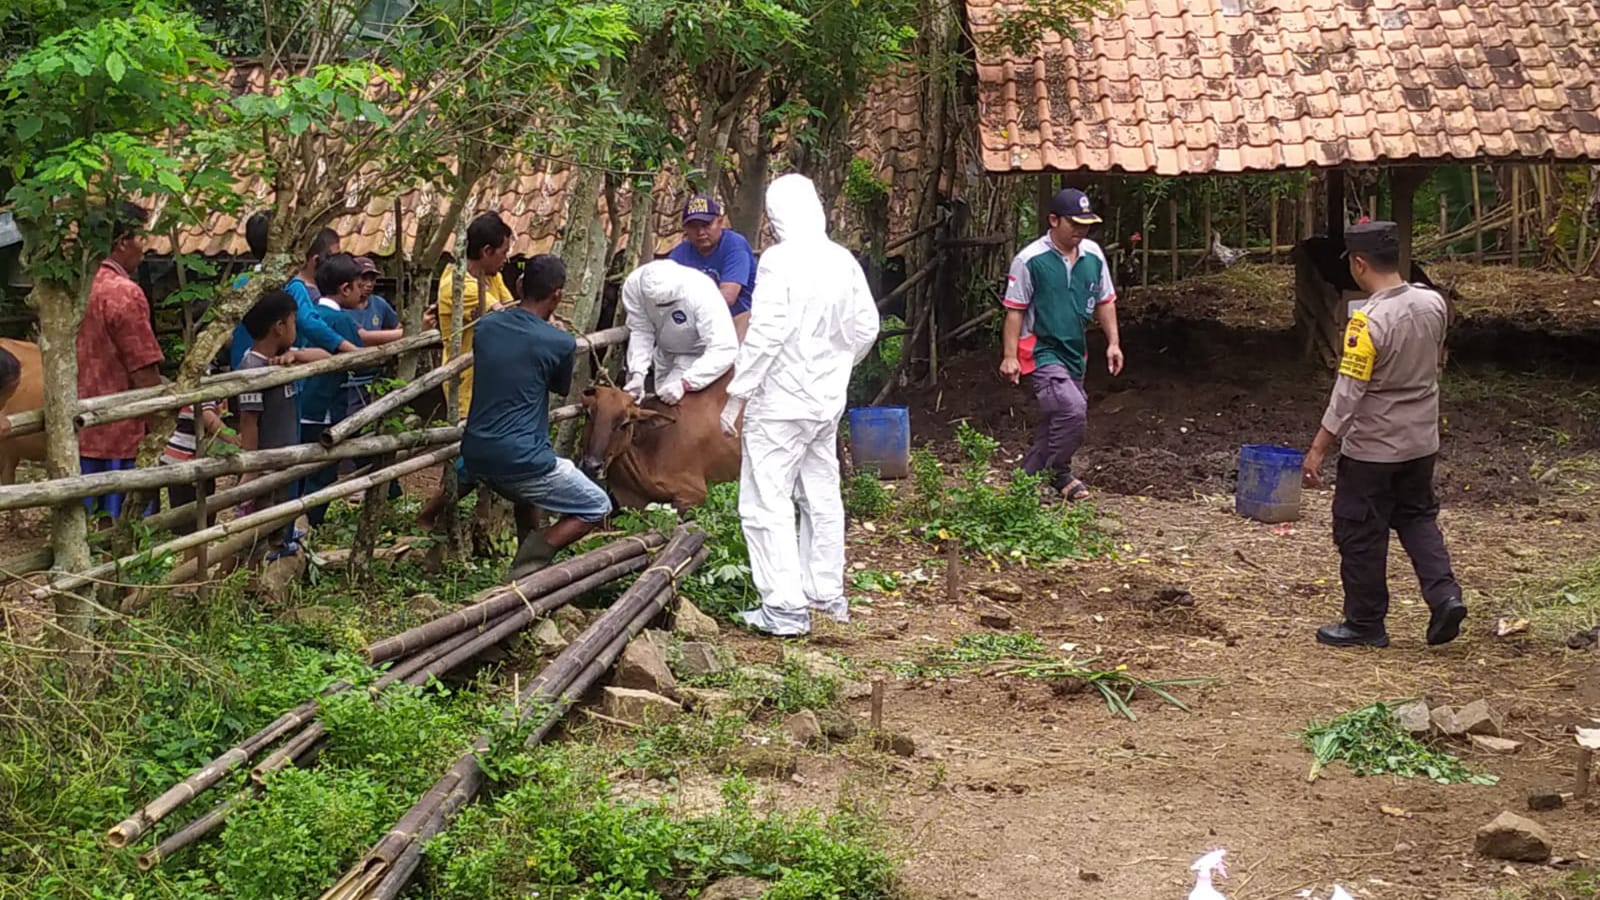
(1385, 409)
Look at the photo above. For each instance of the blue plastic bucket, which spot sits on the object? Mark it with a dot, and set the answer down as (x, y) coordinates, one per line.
(880, 438)
(1269, 483)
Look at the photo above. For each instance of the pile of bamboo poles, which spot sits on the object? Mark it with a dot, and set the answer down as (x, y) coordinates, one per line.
(382, 874)
(428, 651)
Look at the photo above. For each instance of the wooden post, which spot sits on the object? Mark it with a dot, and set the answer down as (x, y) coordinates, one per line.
(202, 566)
(1581, 262)
(1477, 218)
(876, 721)
(1205, 214)
(1308, 215)
(1372, 206)
(952, 570)
(1403, 184)
(1540, 182)
(1244, 216)
(1172, 224)
(1444, 215)
(1516, 216)
(1272, 228)
(1144, 253)
(1584, 765)
(1336, 205)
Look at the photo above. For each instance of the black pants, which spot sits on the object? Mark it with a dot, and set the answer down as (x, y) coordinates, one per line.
(1368, 500)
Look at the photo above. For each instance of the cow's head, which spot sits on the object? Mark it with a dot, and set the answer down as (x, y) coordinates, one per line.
(613, 417)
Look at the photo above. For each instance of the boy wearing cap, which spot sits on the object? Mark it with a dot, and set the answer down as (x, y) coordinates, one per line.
(721, 253)
(1057, 284)
(1385, 408)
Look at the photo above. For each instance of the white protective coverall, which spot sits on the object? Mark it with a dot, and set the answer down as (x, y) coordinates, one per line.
(678, 322)
(812, 318)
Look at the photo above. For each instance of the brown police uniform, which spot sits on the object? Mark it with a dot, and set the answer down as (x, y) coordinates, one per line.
(1385, 407)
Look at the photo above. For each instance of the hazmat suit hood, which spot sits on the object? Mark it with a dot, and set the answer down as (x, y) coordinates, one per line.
(794, 209)
(664, 282)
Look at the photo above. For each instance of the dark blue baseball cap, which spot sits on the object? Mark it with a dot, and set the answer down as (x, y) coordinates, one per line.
(1071, 203)
(701, 208)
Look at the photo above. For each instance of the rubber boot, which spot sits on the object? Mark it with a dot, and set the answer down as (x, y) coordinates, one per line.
(533, 553)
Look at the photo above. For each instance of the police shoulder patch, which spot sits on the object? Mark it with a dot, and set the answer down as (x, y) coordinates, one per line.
(679, 316)
(1359, 352)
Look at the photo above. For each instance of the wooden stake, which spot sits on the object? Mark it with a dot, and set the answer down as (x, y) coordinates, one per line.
(952, 570)
(202, 521)
(1585, 764)
(1172, 224)
(1516, 216)
(1272, 228)
(876, 720)
(1477, 218)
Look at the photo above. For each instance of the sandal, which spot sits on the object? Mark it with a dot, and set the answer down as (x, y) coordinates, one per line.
(1074, 491)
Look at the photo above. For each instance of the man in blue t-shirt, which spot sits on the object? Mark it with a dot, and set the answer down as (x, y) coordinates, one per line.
(719, 252)
(377, 324)
(506, 446)
(322, 398)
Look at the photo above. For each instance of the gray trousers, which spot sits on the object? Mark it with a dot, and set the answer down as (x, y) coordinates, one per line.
(1065, 418)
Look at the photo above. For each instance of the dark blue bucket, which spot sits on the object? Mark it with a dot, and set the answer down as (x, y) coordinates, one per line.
(1269, 483)
(880, 438)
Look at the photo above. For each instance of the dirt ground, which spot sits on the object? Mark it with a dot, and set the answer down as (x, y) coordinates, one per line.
(1015, 792)
(1019, 793)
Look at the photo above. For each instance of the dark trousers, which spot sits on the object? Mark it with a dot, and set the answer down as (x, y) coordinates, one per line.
(1368, 500)
(316, 481)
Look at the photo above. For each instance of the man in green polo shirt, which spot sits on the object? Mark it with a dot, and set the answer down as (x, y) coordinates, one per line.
(1057, 285)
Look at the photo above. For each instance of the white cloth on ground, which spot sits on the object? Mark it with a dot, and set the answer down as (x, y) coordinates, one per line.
(812, 319)
(678, 324)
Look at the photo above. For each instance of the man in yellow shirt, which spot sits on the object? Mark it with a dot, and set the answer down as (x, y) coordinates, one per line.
(488, 246)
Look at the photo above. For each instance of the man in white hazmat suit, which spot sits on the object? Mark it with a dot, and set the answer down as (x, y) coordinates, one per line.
(678, 323)
(812, 319)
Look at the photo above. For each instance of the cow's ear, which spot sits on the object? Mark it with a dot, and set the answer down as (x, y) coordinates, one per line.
(588, 395)
(650, 417)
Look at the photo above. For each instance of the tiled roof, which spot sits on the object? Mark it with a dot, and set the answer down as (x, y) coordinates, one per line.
(1170, 87)
(531, 194)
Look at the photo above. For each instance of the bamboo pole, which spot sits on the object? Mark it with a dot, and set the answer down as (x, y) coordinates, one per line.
(505, 599)
(388, 403)
(192, 832)
(913, 281)
(249, 379)
(634, 609)
(59, 490)
(1477, 218)
(252, 521)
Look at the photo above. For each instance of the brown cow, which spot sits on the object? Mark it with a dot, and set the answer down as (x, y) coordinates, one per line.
(29, 394)
(657, 453)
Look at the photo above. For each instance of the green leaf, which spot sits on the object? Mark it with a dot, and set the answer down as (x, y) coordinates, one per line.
(298, 123)
(116, 67)
(27, 127)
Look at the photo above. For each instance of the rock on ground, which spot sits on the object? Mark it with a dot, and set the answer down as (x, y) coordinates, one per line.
(1001, 590)
(1478, 718)
(803, 728)
(689, 622)
(1445, 721)
(643, 667)
(1544, 799)
(740, 887)
(709, 700)
(572, 616)
(1512, 837)
(1414, 718)
(311, 616)
(697, 659)
(764, 760)
(547, 638)
(425, 604)
(837, 725)
(821, 665)
(638, 707)
(896, 743)
(1490, 744)
(278, 577)
(995, 618)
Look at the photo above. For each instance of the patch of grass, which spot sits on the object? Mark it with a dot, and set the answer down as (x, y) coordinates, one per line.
(874, 581)
(1371, 742)
(865, 497)
(721, 586)
(1003, 520)
(1116, 685)
(970, 651)
(790, 686)
(562, 833)
(669, 749)
(1559, 609)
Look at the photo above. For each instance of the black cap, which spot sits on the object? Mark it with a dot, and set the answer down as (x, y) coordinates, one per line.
(1372, 238)
(1071, 203)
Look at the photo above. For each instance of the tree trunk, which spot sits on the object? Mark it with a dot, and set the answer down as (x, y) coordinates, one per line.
(59, 314)
(585, 251)
(747, 200)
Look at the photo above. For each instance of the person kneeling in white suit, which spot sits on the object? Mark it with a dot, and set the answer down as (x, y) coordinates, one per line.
(812, 319)
(678, 324)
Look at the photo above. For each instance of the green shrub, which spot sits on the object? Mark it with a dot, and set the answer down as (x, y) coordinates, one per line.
(1006, 519)
(865, 497)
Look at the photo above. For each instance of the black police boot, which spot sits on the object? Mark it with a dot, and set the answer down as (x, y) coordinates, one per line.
(1343, 635)
(1444, 623)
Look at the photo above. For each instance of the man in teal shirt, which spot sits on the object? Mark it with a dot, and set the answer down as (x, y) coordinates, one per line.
(1056, 286)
